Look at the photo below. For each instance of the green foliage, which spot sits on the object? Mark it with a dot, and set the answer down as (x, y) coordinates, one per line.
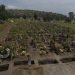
(24, 16)
(3, 13)
(46, 16)
(2, 7)
(68, 20)
(71, 15)
(35, 16)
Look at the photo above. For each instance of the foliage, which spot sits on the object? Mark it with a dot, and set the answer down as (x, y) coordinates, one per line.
(46, 16)
(68, 20)
(71, 15)
(3, 12)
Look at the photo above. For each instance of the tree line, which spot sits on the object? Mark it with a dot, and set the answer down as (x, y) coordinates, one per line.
(3, 13)
(32, 14)
(37, 15)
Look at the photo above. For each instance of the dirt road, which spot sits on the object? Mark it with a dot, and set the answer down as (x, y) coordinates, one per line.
(5, 32)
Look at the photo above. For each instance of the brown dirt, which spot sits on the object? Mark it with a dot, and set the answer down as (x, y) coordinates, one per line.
(5, 33)
(29, 71)
(47, 69)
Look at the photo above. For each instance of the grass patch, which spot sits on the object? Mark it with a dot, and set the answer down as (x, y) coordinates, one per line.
(2, 26)
(69, 25)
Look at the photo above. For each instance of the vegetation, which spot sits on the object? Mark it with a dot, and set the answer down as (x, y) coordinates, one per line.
(46, 16)
(2, 26)
(26, 35)
(40, 30)
(71, 15)
(3, 13)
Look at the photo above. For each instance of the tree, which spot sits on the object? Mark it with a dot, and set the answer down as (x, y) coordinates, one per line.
(2, 7)
(24, 16)
(3, 13)
(35, 16)
(68, 20)
(71, 15)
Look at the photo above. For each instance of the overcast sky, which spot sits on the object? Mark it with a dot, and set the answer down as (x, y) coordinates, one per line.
(58, 6)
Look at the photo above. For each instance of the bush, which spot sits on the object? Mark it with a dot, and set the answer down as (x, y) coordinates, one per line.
(1, 22)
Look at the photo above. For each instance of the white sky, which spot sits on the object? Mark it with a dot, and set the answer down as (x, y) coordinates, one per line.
(59, 6)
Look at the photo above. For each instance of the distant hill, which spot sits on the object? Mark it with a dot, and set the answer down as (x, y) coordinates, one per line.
(38, 14)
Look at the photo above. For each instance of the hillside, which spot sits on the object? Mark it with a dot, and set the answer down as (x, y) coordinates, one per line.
(42, 14)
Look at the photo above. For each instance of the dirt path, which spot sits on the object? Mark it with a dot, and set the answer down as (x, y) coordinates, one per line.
(5, 32)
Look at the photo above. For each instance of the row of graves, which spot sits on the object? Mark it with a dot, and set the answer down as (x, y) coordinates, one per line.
(19, 45)
(44, 42)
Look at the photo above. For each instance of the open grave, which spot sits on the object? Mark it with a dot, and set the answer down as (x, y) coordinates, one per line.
(47, 61)
(66, 60)
(4, 67)
(16, 63)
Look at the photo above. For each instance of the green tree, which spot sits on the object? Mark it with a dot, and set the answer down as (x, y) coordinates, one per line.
(71, 15)
(3, 13)
(68, 20)
(2, 7)
(35, 16)
(24, 16)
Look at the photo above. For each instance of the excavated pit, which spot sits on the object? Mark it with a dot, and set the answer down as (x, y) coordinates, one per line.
(66, 60)
(47, 61)
(4, 67)
(16, 63)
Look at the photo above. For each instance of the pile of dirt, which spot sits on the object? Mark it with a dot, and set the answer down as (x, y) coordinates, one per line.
(28, 71)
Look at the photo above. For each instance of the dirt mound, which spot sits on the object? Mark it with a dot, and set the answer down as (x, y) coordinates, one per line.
(28, 71)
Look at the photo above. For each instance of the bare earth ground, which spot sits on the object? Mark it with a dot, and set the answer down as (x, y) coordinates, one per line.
(5, 32)
(49, 69)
